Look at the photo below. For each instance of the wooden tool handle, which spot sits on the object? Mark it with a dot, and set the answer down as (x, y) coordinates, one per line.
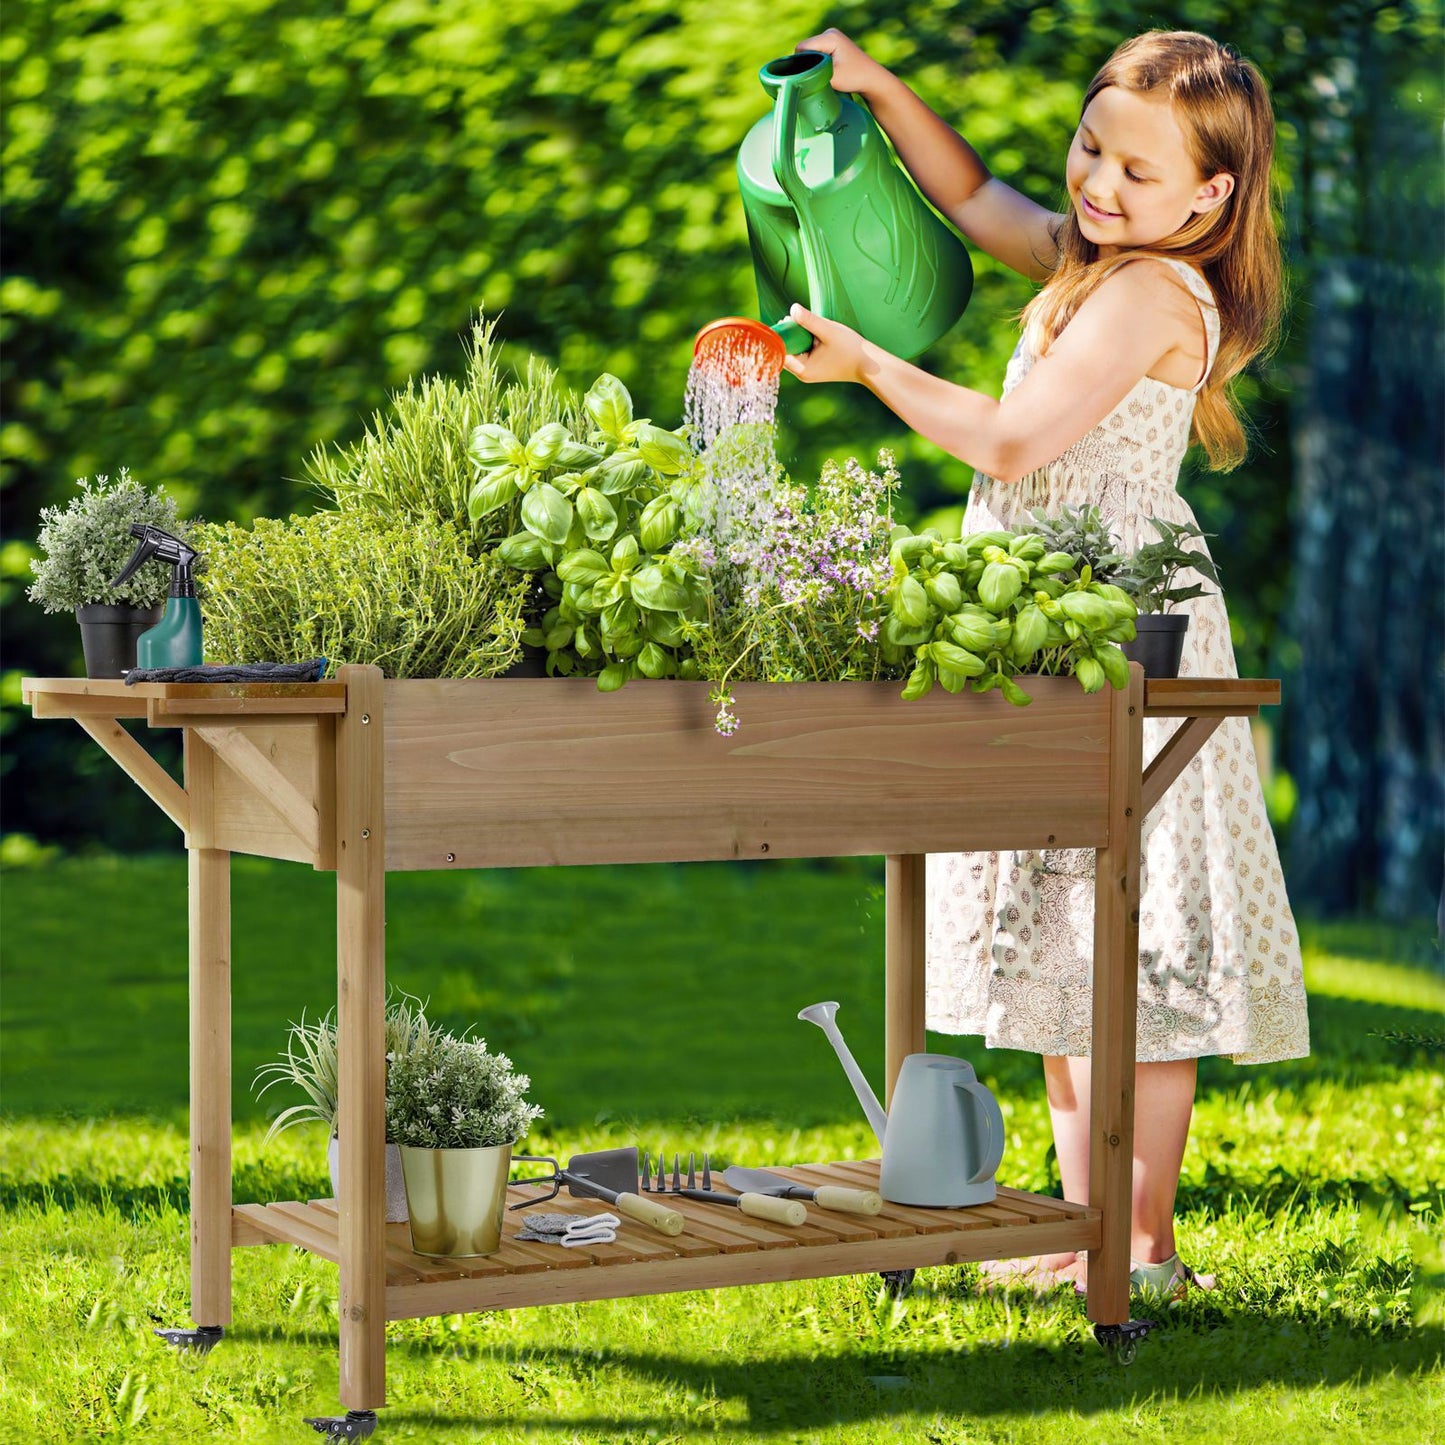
(649, 1211)
(767, 1206)
(848, 1201)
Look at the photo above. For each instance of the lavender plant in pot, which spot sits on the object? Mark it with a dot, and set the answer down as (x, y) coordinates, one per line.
(309, 1061)
(1152, 577)
(86, 544)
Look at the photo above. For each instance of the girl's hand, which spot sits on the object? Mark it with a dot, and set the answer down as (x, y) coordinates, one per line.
(853, 70)
(837, 354)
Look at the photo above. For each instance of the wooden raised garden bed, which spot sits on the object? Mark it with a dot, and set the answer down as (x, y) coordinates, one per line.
(361, 776)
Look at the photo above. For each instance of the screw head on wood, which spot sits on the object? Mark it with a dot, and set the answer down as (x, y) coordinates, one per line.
(451, 857)
(366, 716)
(764, 848)
(366, 832)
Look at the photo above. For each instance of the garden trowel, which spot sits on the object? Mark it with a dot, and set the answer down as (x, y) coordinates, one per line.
(825, 1196)
(609, 1174)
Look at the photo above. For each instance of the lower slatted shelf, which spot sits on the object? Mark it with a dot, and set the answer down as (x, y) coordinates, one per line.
(718, 1246)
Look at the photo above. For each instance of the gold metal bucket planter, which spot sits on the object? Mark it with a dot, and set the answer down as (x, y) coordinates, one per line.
(456, 1198)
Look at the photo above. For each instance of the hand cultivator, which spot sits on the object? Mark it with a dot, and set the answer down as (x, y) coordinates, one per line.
(761, 1206)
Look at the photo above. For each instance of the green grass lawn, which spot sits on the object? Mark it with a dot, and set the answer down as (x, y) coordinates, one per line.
(657, 1006)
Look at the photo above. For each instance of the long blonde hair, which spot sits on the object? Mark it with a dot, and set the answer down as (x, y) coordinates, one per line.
(1223, 107)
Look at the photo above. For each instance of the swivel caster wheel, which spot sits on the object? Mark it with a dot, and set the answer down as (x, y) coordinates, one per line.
(897, 1283)
(353, 1425)
(199, 1341)
(1122, 1341)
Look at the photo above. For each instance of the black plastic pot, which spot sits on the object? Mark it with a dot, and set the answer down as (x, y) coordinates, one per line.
(1159, 643)
(109, 635)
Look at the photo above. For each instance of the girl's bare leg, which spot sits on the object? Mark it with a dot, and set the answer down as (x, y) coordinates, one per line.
(1067, 1081)
(1164, 1094)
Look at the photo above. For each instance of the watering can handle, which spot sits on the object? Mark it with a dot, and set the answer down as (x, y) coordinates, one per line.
(785, 171)
(992, 1117)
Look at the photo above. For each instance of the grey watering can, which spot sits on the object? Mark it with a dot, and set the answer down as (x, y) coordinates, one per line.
(943, 1139)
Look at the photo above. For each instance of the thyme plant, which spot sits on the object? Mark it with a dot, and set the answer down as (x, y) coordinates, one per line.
(800, 599)
(406, 595)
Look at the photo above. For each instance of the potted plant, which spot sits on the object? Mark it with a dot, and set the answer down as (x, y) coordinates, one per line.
(1151, 578)
(309, 1062)
(86, 544)
(456, 1109)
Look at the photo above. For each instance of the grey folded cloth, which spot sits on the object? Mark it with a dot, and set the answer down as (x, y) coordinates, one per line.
(233, 672)
(571, 1231)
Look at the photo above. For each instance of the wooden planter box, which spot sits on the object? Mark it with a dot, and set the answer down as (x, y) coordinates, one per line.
(361, 776)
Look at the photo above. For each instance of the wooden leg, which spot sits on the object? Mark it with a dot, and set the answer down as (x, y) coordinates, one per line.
(1116, 991)
(904, 948)
(361, 1038)
(210, 986)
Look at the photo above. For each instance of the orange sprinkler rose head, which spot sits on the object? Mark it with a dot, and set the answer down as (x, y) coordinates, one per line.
(740, 350)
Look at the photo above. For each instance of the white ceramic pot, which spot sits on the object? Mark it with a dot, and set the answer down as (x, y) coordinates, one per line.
(395, 1184)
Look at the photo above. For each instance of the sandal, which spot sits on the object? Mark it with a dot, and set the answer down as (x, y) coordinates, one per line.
(1168, 1281)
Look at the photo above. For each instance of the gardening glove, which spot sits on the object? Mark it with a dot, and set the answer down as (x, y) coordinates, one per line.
(232, 672)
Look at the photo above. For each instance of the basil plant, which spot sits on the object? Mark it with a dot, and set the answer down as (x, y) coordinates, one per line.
(598, 516)
(981, 611)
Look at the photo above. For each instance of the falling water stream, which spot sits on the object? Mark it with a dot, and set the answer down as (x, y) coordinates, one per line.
(731, 407)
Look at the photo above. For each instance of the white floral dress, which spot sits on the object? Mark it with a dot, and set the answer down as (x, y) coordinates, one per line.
(1010, 935)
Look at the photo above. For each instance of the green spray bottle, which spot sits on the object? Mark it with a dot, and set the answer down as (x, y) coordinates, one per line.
(836, 223)
(175, 641)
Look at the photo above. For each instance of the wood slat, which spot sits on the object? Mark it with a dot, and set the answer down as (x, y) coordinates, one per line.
(52, 695)
(913, 1251)
(717, 1247)
(401, 1262)
(1044, 1202)
(79, 705)
(1196, 696)
(841, 768)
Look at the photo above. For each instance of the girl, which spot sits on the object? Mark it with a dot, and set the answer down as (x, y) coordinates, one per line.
(1161, 280)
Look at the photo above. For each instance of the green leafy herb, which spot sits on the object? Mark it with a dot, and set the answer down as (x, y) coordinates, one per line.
(407, 596)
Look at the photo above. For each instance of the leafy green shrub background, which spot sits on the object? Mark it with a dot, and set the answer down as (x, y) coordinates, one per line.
(232, 227)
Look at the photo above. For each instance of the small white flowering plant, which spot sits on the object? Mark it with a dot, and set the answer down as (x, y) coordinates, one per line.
(87, 542)
(454, 1093)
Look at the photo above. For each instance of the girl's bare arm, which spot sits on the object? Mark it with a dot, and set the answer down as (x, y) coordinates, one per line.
(994, 216)
(1121, 332)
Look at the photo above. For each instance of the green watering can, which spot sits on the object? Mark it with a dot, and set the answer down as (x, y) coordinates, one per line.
(836, 223)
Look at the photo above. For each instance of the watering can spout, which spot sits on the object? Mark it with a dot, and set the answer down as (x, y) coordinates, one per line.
(823, 1014)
